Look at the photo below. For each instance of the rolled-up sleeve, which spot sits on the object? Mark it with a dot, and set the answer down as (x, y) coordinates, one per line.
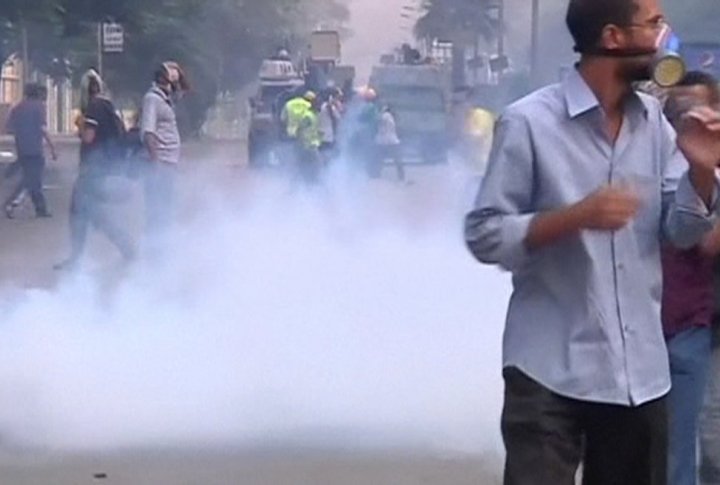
(497, 227)
(686, 217)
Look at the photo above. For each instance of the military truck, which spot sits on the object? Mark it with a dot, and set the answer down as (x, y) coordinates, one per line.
(420, 95)
(277, 79)
(323, 64)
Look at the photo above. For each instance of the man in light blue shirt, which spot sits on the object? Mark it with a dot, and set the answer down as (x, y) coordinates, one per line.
(585, 178)
(161, 137)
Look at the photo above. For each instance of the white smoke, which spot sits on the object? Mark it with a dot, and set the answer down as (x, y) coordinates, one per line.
(341, 318)
(377, 28)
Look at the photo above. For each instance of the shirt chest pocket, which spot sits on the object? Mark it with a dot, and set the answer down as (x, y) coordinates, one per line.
(648, 189)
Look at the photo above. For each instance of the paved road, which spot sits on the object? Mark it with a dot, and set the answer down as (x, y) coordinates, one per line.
(30, 247)
(227, 468)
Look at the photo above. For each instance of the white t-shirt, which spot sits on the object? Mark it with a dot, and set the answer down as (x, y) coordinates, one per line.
(329, 115)
(387, 130)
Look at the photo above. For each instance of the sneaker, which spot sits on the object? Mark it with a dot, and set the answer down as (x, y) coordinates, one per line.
(9, 211)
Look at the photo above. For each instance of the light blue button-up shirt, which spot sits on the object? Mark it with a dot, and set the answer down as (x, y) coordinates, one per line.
(584, 316)
(158, 118)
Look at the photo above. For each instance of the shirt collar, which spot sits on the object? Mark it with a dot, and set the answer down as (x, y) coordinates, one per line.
(580, 99)
(156, 89)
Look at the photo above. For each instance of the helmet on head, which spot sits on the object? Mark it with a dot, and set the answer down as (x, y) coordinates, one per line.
(310, 96)
(171, 73)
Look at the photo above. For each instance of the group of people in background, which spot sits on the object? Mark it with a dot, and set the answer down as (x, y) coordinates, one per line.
(330, 126)
(111, 155)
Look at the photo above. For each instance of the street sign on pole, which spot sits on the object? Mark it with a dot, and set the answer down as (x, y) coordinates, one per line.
(113, 37)
(535, 43)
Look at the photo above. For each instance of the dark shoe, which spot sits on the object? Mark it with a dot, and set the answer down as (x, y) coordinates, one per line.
(43, 215)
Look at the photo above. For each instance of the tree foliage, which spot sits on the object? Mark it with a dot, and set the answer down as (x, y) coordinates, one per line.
(461, 21)
(219, 42)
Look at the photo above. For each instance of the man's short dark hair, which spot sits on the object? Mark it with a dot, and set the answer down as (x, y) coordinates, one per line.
(586, 19)
(677, 106)
(33, 91)
(160, 75)
(701, 78)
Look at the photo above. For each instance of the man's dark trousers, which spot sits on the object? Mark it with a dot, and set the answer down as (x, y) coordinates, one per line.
(32, 176)
(548, 436)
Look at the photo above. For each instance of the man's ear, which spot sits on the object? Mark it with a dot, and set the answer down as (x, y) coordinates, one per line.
(612, 37)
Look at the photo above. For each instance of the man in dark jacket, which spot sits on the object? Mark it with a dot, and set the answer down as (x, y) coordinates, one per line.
(27, 124)
(101, 155)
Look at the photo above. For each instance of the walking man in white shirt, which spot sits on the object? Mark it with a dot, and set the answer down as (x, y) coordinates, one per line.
(160, 135)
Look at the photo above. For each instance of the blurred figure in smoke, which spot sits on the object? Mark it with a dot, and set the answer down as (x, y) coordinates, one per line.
(101, 157)
(160, 134)
(291, 116)
(308, 143)
(359, 129)
(388, 142)
(330, 115)
(479, 124)
(584, 180)
(27, 123)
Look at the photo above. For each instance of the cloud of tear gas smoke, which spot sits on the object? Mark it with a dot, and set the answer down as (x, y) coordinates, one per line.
(346, 318)
(378, 27)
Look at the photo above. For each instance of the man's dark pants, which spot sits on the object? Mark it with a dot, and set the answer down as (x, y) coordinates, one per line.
(89, 207)
(32, 175)
(548, 436)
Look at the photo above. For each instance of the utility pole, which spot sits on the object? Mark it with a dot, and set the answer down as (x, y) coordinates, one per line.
(25, 53)
(501, 28)
(535, 43)
(100, 48)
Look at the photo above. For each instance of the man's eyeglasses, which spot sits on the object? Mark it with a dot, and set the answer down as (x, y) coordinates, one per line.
(655, 24)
